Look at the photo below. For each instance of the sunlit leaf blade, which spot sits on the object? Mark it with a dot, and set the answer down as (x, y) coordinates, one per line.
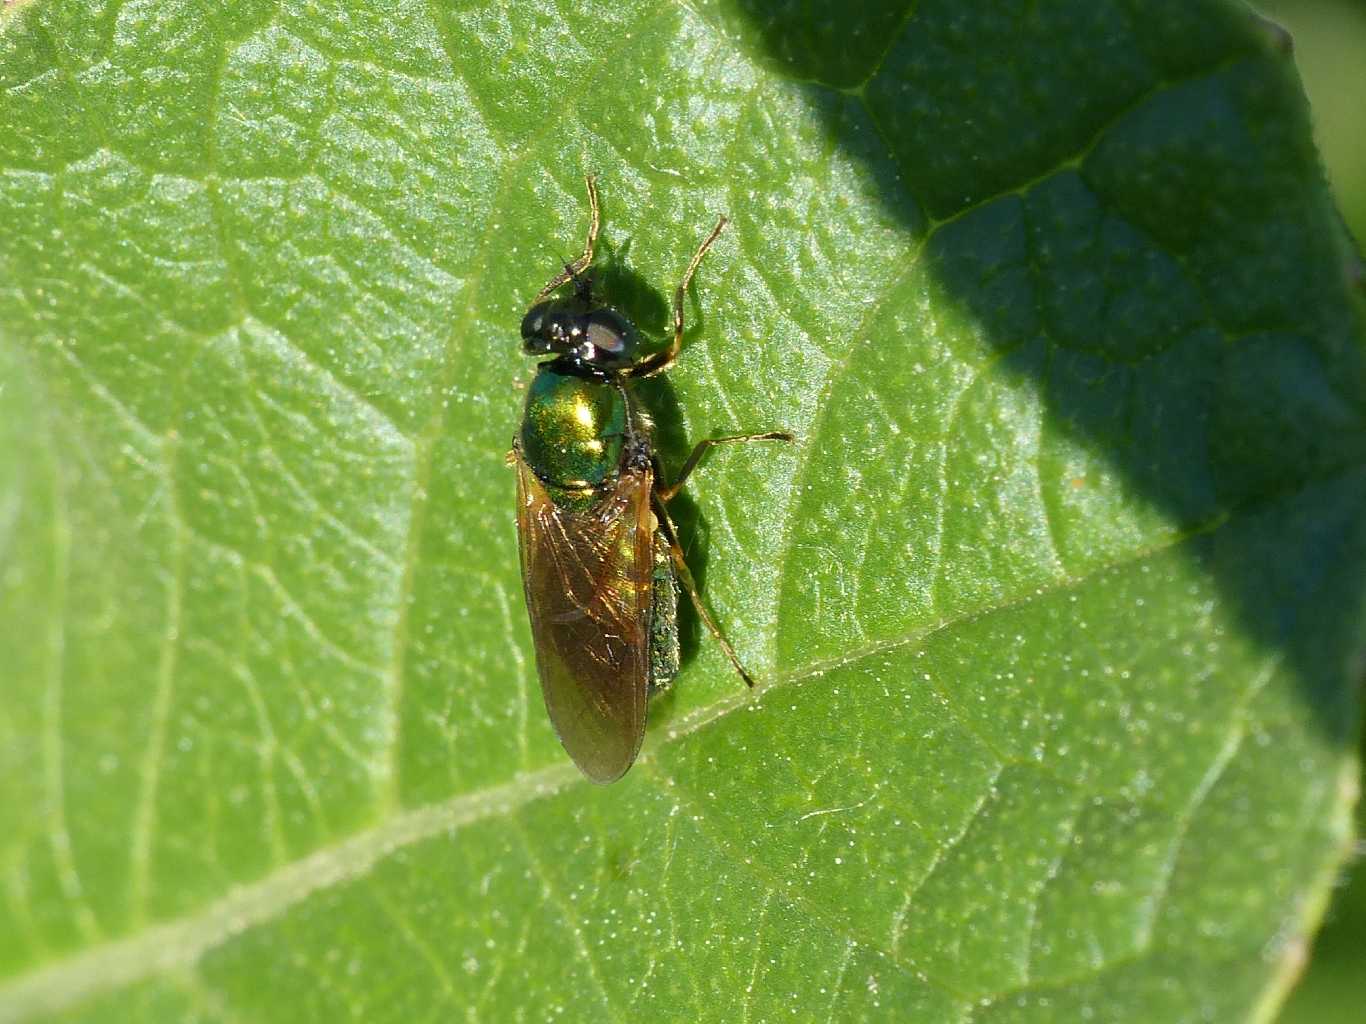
(1056, 602)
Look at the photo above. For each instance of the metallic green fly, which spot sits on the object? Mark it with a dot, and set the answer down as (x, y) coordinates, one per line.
(601, 562)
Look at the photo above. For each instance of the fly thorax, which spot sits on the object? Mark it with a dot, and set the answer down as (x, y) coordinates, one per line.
(573, 429)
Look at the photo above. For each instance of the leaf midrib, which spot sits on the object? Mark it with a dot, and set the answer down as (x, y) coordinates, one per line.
(181, 942)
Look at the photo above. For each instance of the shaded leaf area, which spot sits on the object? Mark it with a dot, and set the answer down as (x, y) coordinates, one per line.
(1056, 600)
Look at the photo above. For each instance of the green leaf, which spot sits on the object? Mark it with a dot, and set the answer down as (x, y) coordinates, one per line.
(1056, 601)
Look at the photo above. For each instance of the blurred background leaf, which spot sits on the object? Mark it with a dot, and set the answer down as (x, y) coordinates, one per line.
(1330, 51)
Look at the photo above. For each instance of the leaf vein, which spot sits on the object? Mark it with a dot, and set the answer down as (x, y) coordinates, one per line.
(181, 942)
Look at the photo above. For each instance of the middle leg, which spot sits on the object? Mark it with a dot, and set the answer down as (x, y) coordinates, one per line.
(702, 447)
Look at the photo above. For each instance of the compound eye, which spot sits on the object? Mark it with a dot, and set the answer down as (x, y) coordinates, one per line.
(549, 327)
(534, 324)
(603, 338)
(612, 335)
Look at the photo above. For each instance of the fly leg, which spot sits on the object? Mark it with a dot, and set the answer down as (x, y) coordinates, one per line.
(573, 270)
(701, 448)
(670, 533)
(685, 580)
(662, 360)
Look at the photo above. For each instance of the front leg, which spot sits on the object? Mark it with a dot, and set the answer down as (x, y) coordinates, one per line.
(573, 270)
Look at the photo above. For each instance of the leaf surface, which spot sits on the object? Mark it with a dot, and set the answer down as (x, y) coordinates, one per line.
(1056, 601)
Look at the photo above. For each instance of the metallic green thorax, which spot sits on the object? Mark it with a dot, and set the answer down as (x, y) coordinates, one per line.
(573, 436)
(573, 431)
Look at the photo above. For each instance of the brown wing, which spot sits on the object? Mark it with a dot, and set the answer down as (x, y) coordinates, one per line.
(588, 587)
